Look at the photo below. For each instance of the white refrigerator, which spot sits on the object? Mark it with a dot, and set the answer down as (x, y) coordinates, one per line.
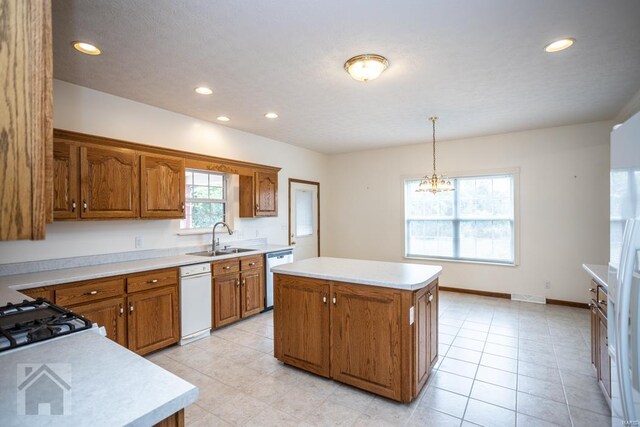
(623, 321)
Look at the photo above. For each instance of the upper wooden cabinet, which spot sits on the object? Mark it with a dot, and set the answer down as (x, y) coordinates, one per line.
(259, 195)
(25, 119)
(162, 188)
(108, 182)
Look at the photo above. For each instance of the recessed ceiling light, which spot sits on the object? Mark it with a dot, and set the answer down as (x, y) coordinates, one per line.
(366, 67)
(271, 115)
(203, 90)
(87, 48)
(223, 118)
(558, 45)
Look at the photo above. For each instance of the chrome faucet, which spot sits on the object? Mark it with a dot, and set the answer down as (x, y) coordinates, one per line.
(213, 234)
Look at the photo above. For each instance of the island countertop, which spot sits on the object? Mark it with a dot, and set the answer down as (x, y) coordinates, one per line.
(598, 272)
(375, 273)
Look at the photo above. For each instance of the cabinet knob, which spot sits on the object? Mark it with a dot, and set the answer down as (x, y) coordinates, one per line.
(601, 301)
(73, 206)
(153, 281)
(130, 307)
(430, 297)
(121, 310)
(182, 206)
(592, 290)
(335, 300)
(324, 299)
(84, 205)
(92, 293)
(237, 282)
(257, 207)
(226, 267)
(252, 264)
(244, 282)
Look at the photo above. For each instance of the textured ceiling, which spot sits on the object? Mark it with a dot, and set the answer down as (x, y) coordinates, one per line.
(479, 65)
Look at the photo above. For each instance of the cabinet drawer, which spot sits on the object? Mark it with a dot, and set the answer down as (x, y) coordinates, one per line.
(152, 279)
(250, 262)
(225, 266)
(602, 300)
(90, 291)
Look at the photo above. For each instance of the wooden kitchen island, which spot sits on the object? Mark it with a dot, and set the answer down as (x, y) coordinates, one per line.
(370, 324)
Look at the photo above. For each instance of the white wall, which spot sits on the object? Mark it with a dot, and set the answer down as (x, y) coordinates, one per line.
(564, 205)
(84, 110)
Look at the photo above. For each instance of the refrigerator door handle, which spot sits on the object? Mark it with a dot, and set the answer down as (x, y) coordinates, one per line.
(625, 278)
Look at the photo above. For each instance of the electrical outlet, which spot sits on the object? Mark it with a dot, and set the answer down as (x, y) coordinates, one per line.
(547, 284)
(139, 242)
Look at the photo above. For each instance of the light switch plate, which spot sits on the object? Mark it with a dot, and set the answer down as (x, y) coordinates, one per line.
(139, 242)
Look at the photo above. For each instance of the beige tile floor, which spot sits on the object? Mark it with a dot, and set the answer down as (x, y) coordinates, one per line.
(502, 363)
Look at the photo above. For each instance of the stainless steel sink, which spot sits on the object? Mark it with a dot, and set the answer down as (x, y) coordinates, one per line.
(228, 251)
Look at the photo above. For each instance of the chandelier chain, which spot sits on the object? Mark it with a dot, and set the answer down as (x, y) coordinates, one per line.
(433, 121)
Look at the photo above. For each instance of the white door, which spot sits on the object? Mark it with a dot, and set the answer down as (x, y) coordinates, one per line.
(303, 216)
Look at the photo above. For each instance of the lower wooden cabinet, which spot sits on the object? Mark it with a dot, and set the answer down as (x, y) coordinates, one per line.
(600, 359)
(139, 311)
(226, 299)
(153, 319)
(238, 289)
(365, 336)
(109, 313)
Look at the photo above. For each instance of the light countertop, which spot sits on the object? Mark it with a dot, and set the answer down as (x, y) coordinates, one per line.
(11, 285)
(109, 384)
(598, 272)
(375, 273)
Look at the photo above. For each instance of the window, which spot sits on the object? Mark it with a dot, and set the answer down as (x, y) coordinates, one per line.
(205, 201)
(473, 223)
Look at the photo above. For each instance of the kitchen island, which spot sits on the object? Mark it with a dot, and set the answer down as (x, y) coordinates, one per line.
(370, 324)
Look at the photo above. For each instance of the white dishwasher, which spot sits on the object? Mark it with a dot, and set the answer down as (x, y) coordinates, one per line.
(195, 302)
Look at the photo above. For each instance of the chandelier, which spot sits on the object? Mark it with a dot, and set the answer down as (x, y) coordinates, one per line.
(435, 183)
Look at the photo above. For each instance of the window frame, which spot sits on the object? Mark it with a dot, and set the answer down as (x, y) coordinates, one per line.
(224, 201)
(514, 172)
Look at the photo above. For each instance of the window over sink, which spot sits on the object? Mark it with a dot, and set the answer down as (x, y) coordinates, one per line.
(205, 200)
(476, 222)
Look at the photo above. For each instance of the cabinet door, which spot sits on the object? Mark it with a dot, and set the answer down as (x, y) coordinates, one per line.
(162, 188)
(108, 313)
(604, 371)
(153, 319)
(367, 338)
(301, 320)
(108, 182)
(595, 335)
(266, 188)
(226, 299)
(433, 325)
(65, 180)
(252, 292)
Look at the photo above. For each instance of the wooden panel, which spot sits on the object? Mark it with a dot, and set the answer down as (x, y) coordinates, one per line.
(153, 319)
(108, 182)
(108, 313)
(366, 339)
(162, 188)
(225, 266)
(252, 292)
(25, 118)
(66, 176)
(175, 420)
(249, 262)
(301, 319)
(247, 196)
(226, 299)
(266, 194)
(433, 324)
(89, 291)
(152, 279)
(35, 293)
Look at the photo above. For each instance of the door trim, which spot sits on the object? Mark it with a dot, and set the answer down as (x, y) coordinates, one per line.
(302, 181)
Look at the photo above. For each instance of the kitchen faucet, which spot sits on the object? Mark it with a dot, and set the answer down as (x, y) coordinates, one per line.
(213, 234)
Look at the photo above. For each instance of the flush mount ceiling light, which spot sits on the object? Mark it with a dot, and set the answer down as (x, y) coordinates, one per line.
(366, 67)
(271, 115)
(434, 183)
(202, 90)
(223, 118)
(87, 48)
(558, 45)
